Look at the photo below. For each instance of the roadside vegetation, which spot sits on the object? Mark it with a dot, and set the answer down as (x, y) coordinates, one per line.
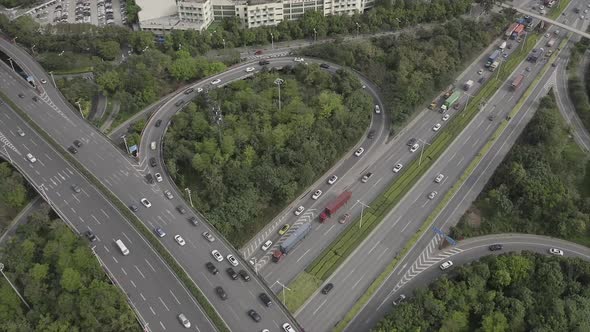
(246, 166)
(61, 280)
(541, 187)
(14, 194)
(526, 292)
(579, 86)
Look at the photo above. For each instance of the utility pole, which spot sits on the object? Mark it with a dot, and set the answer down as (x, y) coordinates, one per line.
(255, 266)
(125, 141)
(190, 198)
(422, 150)
(363, 206)
(358, 27)
(53, 79)
(279, 82)
(272, 41)
(80, 108)
(315, 35)
(11, 285)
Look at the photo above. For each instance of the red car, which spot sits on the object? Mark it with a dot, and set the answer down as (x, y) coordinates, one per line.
(258, 52)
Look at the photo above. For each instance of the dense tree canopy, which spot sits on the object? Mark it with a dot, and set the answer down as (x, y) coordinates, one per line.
(13, 194)
(251, 159)
(61, 280)
(528, 292)
(541, 187)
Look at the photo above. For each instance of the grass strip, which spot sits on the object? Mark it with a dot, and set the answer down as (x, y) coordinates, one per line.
(74, 71)
(432, 217)
(335, 254)
(124, 210)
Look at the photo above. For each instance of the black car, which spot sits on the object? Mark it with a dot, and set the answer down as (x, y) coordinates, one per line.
(149, 178)
(35, 98)
(481, 79)
(371, 134)
(72, 149)
(221, 292)
(265, 299)
(254, 315)
(244, 275)
(263, 62)
(153, 162)
(232, 273)
(327, 288)
(178, 103)
(495, 247)
(189, 91)
(78, 143)
(90, 236)
(399, 300)
(211, 268)
(411, 142)
(133, 208)
(22, 95)
(325, 66)
(181, 209)
(158, 123)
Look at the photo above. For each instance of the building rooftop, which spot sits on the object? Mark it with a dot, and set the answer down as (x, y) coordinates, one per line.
(151, 9)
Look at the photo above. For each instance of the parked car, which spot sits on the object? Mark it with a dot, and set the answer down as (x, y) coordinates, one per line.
(414, 147)
(193, 220)
(397, 168)
(217, 255)
(436, 127)
(344, 218)
(232, 260)
(332, 179)
(266, 245)
(411, 142)
(244, 275)
(495, 247)
(399, 300)
(72, 149)
(76, 188)
(159, 177)
(208, 236)
(160, 232)
(168, 194)
(221, 293)
(184, 321)
(90, 236)
(254, 315)
(359, 152)
(78, 143)
(265, 299)
(146, 203)
(287, 328)
(181, 209)
(232, 274)
(439, 178)
(211, 267)
(179, 240)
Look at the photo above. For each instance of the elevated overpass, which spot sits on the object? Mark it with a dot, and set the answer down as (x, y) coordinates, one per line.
(548, 20)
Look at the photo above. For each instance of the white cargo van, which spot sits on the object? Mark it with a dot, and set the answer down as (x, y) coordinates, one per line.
(122, 247)
(153, 145)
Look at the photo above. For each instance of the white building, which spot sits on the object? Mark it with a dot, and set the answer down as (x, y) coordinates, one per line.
(165, 15)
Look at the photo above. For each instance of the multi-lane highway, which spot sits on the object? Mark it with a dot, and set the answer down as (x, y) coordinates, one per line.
(126, 180)
(152, 288)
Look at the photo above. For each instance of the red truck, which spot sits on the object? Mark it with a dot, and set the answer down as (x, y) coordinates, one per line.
(517, 81)
(334, 205)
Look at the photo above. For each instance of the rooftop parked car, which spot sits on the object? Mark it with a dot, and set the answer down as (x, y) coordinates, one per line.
(221, 292)
(217, 255)
(208, 236)
(254, 315)
(232, 260)
(211, 267)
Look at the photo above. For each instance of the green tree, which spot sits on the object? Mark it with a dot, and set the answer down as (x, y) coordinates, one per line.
(109, 50)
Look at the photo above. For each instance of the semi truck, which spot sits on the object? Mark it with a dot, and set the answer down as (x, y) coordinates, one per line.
(510, 30)
(537, 53)
(493, 57)
(450, 101)
(518, 31)
(551, 42)
(334, 205)
(517, 82)
(468, 85)
(290, 242)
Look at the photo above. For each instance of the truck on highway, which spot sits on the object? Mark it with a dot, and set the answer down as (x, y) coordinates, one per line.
(468, 85)
(291, 241)
(510, 30)
(517, 82)
(502, 46)
(334, 205)
(450, 101)
(551, 42)
(494, 65)
(493, 57)
(449, 91)
(517, 32)
(536, 55)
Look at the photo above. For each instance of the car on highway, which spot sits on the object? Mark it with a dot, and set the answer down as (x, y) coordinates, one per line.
(244, 275)
(359, 152)
(397, 168)
(377, 109)
(411, 142)
(288, 328)
(284, 229)
(265, 299)
(299, 60)
(145, 202)
(446, 117)
(189, 91)
(432, 195)
(366, 177)
(179, 240)
(232, 260)
(153, 162)
(159, 177)
(436, 127)
(184, 321)
(371, 134)
(208, 236)
(20, 132)
(250, 69)
(399, 300)
(76, 188)
(344, 218)
(168, 194)
(211, 267)
(258, 52)
(495, 247)
(556, 252)
(217, 255)
(414, 147)
(77, 143)
(215, 82)
(21, 95)
(133, 208)
(480, 72)
(72, 149)
(324, 65)
(181, 209)
(231, 273)
(90, 236)
(263, 62)
(160, 232)
(43, 81)
(158, 123)
(299, 210)
(327, 288)
(332, 179)
(254, 315)
(316, 194)
(481, 80)
(221, 292)
(439, 178)
(266, 245)
(179, 103)
(446, 265)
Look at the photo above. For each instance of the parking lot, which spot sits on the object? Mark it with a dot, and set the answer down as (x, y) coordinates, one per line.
(96, 12)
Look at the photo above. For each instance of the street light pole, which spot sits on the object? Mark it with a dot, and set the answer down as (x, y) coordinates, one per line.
(125, 141)
(315, 35)
(363, 206)
(53, 79)
(190, 198)
(279, 82)
(358, 27)
(223, 40)
(284, 295)
(272, 41)
(11, 285)
(80, 109)
(422, 150)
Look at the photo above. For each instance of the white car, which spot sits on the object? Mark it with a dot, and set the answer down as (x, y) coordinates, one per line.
(184, 321)
(432, 195)
(159, 177)
(541, 7)
(168, 194)
(208, 236)
(397, 168)
(232, 260)
(377, 109)
(217, 256)
(20, 132)
(556, 252)
(145, 202)
(480, 71)
(547, 35)
(317, 194)
(439, 178)
(287, 327)
(359, 152)
(436, 127)
(179, 240)
(199, 89)
(299, 210)
(446, 265)
(43, 81)
(250, 69)
(31, 158)
(215, 82)
(266, 245)
(446, 117)
(332, 179)
(299, 60)
(414, 147)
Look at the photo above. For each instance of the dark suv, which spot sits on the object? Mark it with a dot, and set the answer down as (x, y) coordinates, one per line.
(72, 149)
(263, 62)
(221, 292)
(411, 142)
(232, 273)
(495, 247)
(153, 162)
(265, 299)
(211, 268)
(327, 288)
(244, 275)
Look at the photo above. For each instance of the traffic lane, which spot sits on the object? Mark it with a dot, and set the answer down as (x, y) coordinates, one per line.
(56, 181)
